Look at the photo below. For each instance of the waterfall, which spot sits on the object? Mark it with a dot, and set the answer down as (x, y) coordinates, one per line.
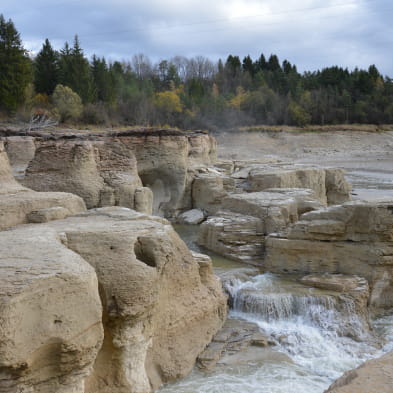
(263, 299)
(320, 331)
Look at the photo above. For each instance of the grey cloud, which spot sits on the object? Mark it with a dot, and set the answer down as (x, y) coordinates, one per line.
(320, 33)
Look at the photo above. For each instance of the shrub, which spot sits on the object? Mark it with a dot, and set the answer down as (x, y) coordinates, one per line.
(67, 103)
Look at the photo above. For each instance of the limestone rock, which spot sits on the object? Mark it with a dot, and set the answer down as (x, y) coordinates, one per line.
(48, 214)
(50, 314)
(354, 238)
(107, 168)
(161, 304)
(208, 192)
(20, 151)
(236, 236)
(262, 178)
(238, 342)
(329, 185)
(143, 202)
(166, 160)
(7, 180)
(338, 190)
(375, 375)
(17, 202)
(101, 173)
(192, 217)
(239, 230)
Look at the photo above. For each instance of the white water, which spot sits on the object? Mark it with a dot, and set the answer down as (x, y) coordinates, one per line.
(309, 326)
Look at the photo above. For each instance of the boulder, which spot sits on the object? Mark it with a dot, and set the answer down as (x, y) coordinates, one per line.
(191, 217)
(50, 313)
(374, 375)
(238, 342)
(208, 191)
(265, 177)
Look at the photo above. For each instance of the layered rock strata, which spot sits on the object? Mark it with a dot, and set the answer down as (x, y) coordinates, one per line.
(354, 238)
(238, 231)
(122, 168)
(328, 184)
(159, 304)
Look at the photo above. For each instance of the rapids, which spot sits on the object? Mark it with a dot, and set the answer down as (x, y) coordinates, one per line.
(321, 335)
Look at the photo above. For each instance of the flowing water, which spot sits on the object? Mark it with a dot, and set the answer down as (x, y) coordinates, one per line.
(320, 334)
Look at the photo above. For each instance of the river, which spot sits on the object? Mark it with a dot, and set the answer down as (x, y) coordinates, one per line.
(307, 327)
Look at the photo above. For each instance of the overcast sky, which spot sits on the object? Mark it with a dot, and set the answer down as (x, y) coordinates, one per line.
(309, 33)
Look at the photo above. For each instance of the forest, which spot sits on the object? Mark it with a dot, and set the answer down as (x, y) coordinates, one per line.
(182, 92)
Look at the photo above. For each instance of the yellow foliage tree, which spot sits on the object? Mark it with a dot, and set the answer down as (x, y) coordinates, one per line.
(240, 97)
(168, 101)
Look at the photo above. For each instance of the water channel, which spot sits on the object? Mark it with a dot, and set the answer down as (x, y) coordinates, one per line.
(309, 328)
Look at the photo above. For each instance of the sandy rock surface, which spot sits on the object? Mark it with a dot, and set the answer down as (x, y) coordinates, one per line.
(354, 238)
(375, 375)
(19, 205)
(161, 304)
(50, 313)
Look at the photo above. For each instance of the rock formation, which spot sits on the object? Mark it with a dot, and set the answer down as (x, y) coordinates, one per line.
(20, 151)
(328, 184)
(375, 375)
(50, 313)
(122, 168)
(353, 238)
(238, 231)
(103, 174)
(19, 205)
(161, 304)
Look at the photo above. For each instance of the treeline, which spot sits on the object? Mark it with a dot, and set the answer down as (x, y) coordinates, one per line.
(189, 93)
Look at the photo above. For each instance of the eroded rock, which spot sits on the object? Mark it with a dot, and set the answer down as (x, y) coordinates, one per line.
(162, 305)
(375, 375)
(238, 342)
(20, 205)
(239, 230)
(354, 238)
(191, 217)
(50, 314)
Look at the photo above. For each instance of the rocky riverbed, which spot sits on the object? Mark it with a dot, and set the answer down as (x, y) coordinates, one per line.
(78, 220)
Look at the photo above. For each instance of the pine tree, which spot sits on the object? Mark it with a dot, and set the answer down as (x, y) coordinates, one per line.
(103, 85)
(46, 69)
(15, 67)
(75, 71)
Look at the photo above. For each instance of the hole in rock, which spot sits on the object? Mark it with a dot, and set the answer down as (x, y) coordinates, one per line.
(143, 249)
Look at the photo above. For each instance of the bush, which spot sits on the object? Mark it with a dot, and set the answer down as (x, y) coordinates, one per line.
(67, 103)
(95, 114)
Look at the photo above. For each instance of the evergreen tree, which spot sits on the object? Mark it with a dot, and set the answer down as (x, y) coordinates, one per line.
(46, 69)
(248, 65)
(15, 67)
(75, 71)
(102, 81)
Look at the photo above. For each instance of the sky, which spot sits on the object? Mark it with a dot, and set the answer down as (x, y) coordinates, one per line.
(312, 34)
